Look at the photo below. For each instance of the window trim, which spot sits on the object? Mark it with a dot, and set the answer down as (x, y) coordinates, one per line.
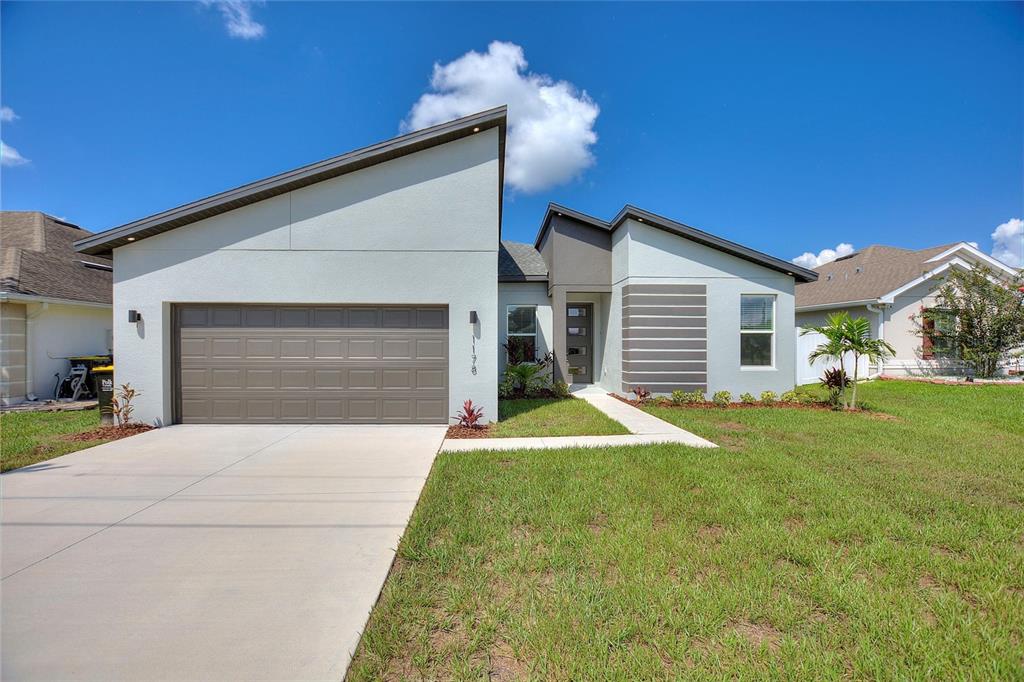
(509, 334)
(775, 304)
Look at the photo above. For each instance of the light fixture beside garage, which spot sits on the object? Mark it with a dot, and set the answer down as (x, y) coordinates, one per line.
(134, 316)
(473, 318)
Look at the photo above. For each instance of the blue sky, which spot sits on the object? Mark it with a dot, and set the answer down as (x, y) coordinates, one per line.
(787, 127)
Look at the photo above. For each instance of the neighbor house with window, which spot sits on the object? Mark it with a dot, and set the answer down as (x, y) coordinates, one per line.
(374, 287)
(892, 287)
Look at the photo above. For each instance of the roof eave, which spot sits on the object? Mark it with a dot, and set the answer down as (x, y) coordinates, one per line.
(105, 242)
(522, 278)
(564, 211)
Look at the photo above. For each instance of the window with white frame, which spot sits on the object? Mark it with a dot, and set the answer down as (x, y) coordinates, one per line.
(521, 345)
(757, 330)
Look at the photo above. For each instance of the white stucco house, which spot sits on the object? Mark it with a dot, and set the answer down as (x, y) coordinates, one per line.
(54, 303)
(891, 287)
(374, 287)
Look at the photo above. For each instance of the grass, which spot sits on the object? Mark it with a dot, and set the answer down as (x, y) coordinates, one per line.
(552, 417)
(31, 437)
(811, 545)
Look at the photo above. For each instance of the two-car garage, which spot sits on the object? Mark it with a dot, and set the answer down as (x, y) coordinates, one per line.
(310, 363)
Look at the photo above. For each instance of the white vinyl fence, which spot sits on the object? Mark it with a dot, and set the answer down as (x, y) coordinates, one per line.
(809, 373)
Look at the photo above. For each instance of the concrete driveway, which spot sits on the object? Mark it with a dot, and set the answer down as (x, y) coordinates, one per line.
(205, 552)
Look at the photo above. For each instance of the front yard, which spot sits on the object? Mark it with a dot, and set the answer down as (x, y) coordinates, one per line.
(813, 544)
(32, 437)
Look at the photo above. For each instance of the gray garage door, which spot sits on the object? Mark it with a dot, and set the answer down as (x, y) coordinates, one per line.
(271, 364)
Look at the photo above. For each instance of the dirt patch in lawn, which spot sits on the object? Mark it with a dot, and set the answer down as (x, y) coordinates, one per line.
(713, 532)
(108, 433)
(504, 665)
(468, 432)
(758, 634)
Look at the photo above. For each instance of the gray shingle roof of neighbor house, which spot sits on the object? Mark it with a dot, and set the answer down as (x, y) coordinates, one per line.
(680, 229)
(868, 274)
(104, 242)
(518, 262)
(38, 258)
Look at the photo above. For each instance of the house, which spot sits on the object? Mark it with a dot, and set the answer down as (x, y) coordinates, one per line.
(890, 287)
(374, 287)
(54, 302)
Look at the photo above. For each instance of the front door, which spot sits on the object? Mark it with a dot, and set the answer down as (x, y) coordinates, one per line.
(579, 342)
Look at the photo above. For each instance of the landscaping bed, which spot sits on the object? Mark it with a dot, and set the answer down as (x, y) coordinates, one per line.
(812, 545)
(543, 417)
(32, 437)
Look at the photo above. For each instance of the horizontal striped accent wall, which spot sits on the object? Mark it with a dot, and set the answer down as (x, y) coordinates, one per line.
(664, 337)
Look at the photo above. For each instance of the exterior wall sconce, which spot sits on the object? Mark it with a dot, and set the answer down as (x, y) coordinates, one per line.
(134, 316)
(473, 318)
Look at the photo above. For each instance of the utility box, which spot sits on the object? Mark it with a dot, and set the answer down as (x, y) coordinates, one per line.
(104, 375)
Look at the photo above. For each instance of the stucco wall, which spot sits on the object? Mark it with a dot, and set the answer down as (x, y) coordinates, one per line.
(12, 353)
(524, 293)
(420, 229)
(653, 256)
(56, 331)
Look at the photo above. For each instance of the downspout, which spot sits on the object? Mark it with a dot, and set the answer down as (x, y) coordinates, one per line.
(880, 365)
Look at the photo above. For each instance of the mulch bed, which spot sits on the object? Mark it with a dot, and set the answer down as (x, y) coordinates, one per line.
(467, 432)
(664, 402)
(108, 432)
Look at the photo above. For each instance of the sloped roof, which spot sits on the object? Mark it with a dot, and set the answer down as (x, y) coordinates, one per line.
(679, 229)
(104, 242)
(868, 274)
(518, 262)
(38, 258)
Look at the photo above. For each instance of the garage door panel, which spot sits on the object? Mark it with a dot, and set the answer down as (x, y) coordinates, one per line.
(312, 363)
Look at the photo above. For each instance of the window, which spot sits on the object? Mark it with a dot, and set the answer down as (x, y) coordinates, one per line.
(935, 343)
(757, 330)
(577, 312)
(522, 333)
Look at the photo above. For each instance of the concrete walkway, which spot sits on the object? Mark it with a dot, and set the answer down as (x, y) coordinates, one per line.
(205, 552)
(644, 429)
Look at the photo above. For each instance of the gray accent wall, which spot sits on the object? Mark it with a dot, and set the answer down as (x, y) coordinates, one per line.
(664, 347)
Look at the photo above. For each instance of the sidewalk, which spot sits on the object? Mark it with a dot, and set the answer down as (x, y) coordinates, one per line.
(644, 429)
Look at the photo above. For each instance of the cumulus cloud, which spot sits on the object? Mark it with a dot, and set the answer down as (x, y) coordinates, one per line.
(9, 156)
(1008, 243)
(7, 114)
(810, 260)
(550, 123)
(238, 18)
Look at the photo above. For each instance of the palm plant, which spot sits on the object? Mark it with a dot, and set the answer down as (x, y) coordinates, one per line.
(835, 345)
(857, 336)
(526, 378)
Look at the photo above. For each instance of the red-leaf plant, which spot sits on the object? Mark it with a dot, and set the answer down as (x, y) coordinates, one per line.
(470, 415)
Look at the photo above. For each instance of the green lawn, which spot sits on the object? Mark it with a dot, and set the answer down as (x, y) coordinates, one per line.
(30, 437)
(547, 417)
(812, 545)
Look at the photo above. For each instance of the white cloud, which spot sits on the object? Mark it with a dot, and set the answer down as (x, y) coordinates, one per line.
(7, 114)
(9, 156)
(1008, 243)
(809, 260)
(238, 18)
(550, 123)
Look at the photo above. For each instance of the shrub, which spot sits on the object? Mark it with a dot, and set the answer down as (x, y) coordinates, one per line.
(121, 404)
(679, 397)
(526, 379)
(642, 394)
(470, 415)
(835, 380)
(790, 398)
(561, 389)
(768, 397)
(721, 398)
(506, 389)
(747, 398)
(695, 397)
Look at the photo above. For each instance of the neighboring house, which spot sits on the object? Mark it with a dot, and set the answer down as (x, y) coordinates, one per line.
(365, 288)
(54, 302)
(890, 287)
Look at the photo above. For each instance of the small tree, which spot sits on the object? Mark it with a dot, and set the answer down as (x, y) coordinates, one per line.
(983, 318)
(857, 335)
(835, 345)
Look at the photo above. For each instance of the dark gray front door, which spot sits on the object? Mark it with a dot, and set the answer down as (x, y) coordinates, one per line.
(579, 342)
(302, 363)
